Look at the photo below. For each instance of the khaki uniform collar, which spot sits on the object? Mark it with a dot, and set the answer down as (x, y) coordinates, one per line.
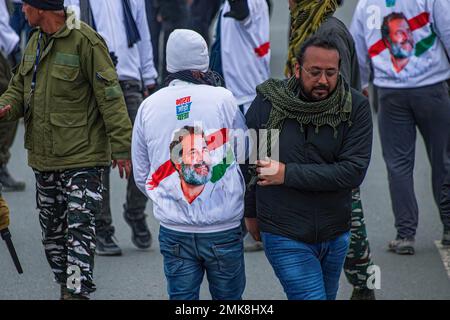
(63, 32)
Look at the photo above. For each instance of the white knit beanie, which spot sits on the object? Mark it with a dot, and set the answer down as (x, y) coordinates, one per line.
(186, 50)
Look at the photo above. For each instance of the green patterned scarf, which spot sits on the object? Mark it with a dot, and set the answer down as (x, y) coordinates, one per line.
(287, 104)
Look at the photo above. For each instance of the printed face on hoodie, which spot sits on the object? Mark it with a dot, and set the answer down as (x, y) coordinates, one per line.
(401, 42)
(194, 161)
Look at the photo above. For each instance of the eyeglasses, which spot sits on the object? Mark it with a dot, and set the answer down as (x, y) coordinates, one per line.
(316, 74)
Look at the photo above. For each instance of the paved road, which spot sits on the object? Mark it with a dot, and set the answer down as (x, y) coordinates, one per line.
(138, 274)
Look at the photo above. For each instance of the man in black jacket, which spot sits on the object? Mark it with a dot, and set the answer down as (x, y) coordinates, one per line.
(302, 203)
(358, 262)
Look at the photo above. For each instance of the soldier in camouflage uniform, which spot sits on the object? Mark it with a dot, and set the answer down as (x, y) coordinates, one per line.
(67, 201)
(359, 258)
(67, 90)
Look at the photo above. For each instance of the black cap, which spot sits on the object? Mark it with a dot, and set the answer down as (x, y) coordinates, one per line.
(50, 5)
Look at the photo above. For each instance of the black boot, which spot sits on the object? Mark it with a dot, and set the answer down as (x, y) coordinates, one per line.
(106, 244)
(67, 295)
(9, 184)
(363, 294)
(141, 236)
(446, 238)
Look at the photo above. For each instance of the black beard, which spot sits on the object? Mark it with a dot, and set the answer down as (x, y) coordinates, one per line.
(308, 96)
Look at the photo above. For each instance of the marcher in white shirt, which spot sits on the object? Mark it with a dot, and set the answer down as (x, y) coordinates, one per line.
(241, 52)
(123, 25)
(407, 44)
(136, 62)
(184, 161)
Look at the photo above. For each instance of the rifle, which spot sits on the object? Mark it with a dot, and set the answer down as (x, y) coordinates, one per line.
(6, 236)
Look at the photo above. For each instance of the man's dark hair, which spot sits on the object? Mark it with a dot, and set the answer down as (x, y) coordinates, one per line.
(319, 42)
(385, 31)
(179, 136)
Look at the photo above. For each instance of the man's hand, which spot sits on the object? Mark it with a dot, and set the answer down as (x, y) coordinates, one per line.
(149, 90)
(270, 172)
(253, 228)
(4, 214)
(366, 92)
(124, 166)
(4, 111)
(238, 10)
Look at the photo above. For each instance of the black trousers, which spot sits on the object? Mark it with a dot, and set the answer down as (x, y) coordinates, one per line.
(175, 14)
(136, 201)
(203, 13)
(401, 112)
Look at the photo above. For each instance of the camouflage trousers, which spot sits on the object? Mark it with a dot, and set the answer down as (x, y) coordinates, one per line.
(67, 202)
(358, 258)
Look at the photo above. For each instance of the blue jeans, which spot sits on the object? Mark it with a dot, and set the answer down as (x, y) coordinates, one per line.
(307, 271)
(188, 255)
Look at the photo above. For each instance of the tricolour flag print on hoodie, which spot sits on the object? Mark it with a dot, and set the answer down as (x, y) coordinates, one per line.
(183, 158)
(405, 41)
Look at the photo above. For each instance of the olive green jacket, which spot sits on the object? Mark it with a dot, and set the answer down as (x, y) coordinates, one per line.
(77, 117)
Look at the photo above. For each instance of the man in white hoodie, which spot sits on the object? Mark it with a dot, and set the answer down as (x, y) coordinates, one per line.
(407, 44)
(184, 161)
